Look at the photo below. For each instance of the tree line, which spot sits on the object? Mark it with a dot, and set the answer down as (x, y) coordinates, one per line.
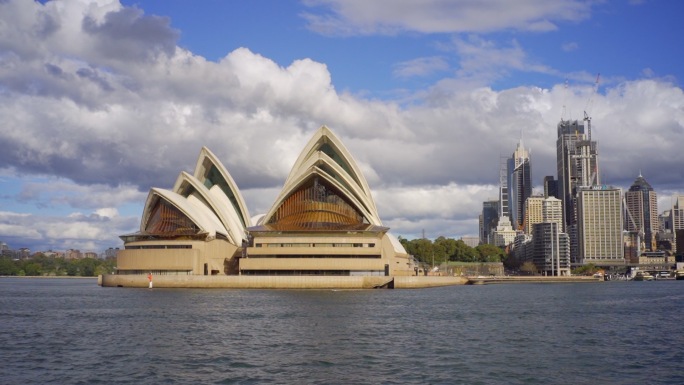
(445, 249)
(41, 265)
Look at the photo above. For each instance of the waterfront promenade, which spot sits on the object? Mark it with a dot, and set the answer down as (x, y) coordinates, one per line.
(281, 282)
(321, 282)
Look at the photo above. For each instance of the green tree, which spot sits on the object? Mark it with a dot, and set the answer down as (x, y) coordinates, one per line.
(464, 253)
(8, 267)
(72, 268)
(490, 253)
(87, 267)
(33, 269)
(422, 249)
(59, 266)
(588, 269)
(444, 248)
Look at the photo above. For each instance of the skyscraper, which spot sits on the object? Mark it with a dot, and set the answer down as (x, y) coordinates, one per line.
(551, 249)
(677, 213)
(490, 216)
(677, 221)
(503, 188)
(577, 166)
(519, 184)
(551, 187)
(552, 211)
(533, 212)
(576, 163)
(641, 204)
(599, 225)
(539, 209)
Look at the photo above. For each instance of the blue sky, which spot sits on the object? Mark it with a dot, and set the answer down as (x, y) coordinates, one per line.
(622, 39)
(102, 100)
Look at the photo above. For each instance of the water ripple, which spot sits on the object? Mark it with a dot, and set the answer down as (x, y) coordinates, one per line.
(73, 332)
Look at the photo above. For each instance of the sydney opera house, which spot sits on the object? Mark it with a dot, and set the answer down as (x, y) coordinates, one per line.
(324, 222)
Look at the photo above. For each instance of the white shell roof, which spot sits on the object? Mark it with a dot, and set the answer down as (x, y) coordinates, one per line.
(208, 204)
(347, 175)
(195, 210)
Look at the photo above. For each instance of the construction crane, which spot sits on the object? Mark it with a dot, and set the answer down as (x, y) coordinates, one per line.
(565, 96)
(587, 117)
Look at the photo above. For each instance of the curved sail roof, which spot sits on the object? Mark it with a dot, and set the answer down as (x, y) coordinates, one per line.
(325, 188)
(211, 172)
(169, 213)
(187, 186)
(207, 202)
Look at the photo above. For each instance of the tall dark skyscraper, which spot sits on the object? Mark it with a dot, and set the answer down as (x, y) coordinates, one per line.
(490, 218)
(551, 187)
(641, 204)
(519, 184)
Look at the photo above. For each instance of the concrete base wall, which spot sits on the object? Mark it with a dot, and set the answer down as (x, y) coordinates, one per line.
(418, 282)
(278, 282)
(532, 279)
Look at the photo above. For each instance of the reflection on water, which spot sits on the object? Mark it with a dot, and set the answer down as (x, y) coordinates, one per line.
(72, 331)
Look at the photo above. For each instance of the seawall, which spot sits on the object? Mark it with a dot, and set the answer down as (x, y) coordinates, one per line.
(279, 282)
(531, 279)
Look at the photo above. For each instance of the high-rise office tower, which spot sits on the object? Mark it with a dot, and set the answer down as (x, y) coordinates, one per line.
(577, 166)
(490, 216)
(677, 213)
(551, 187)
(665, 219)
(551, 249)
(539, 209)
(552, 211)
(677, 221)
(519, 184)
(576, 163)
(641, 204)
(503, 188)
(533, 212)
(599, 225)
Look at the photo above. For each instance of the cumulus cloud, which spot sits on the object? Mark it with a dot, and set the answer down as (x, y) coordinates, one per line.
(76, 231)
(108, 127)
(388, 17)
(55, 192)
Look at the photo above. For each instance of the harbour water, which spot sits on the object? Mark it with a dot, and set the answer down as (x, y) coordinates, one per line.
(71, 331)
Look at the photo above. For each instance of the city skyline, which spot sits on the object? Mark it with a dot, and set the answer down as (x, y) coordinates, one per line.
(104, 100)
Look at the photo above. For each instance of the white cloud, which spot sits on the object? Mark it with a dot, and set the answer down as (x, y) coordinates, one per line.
(420, 67)
(55, 191)
(487, 60)
(107, 212)
(107, 129)
(10, 230)
(361, 17)
(91, 232)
